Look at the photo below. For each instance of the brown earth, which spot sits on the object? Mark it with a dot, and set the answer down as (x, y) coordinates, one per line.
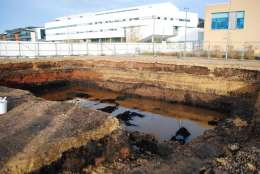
(39, 136)
(35, 132)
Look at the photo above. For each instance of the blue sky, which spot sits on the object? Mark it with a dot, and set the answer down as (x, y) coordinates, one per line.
(22, 13)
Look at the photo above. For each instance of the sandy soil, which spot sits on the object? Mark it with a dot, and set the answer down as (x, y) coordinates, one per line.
(168, 59)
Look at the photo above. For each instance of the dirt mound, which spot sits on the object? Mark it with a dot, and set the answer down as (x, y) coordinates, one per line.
(113, 147)
(245, 160)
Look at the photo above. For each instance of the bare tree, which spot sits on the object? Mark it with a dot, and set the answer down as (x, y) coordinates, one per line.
(72, 41)
(134, 34)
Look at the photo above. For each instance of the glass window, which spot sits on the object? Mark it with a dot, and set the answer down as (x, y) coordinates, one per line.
(219, 21)
(9, 35)
(42, 34)
(201, 36)
(240, 19)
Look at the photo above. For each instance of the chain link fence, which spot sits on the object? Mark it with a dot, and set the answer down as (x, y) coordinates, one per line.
(235, 50)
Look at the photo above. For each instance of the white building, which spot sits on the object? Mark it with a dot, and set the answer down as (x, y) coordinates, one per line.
(118, 25)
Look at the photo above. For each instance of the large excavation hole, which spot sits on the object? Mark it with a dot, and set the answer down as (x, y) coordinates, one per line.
(165, 120)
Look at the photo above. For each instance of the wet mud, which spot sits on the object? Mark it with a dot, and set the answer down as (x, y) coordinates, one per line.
(108, 100)
(127, 116)
(109, 109)
(82, 95)
(181, 135)
(232, 147)
(213, 123)
(146, 107)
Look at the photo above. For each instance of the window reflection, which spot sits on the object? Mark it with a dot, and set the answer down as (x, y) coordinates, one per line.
(219, 21)
(240, 19)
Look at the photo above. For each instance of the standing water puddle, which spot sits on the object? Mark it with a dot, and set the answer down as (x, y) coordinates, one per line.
(165, 120)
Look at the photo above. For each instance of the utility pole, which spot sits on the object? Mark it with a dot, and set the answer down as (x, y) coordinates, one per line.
(154, 54)
(228, 29)
(184, 54)
(68, 27)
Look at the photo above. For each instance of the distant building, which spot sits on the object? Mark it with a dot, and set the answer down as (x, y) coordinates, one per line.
(32, 34)
(243, 21)
(201, 23)
(134, 24)
(2, 37)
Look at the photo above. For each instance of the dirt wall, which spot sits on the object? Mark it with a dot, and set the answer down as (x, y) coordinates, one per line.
(210, 86)
(233, 89)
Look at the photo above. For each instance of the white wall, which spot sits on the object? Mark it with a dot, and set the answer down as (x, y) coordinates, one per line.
(33, 37)
(35, 49)
(160, 10)
(39, 32)
(192, 34)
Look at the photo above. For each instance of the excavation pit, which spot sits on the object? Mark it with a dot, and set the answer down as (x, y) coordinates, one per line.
(36, 133)
(137, 114)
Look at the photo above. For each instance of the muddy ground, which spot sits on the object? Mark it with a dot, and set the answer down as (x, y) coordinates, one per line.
(119, 151)
(40, 136)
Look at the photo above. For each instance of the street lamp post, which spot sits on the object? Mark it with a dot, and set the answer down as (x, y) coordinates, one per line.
(68, 27)
(154, 54)
(228, 29)
(184, 54)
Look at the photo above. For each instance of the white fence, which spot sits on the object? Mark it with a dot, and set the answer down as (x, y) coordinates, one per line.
(236, 50)
(31, 50)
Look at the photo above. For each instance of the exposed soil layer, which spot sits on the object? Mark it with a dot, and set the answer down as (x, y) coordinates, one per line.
(111, 148)
(35, 132)
(217, 89)
(44, 136)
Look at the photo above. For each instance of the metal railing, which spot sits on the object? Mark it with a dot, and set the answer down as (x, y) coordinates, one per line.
(236, 50)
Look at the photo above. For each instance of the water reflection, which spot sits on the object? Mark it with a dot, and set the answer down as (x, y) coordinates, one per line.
(165, 120)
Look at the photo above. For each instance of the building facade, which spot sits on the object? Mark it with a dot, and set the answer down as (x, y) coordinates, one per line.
(2, 37)
(137, 24)
(31, 34)
(243, 22)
